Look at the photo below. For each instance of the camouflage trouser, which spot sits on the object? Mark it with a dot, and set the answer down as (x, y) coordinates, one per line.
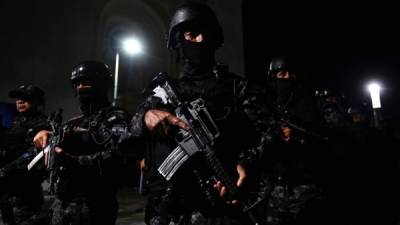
(13, 213)
(162, 210)
(286, 204)
(78, 212)
(196, 218)
(74, 213)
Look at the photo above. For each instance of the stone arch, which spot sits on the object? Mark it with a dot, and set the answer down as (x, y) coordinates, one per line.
(119, 18)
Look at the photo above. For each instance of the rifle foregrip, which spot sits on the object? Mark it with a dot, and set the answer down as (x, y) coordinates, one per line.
(221, 174)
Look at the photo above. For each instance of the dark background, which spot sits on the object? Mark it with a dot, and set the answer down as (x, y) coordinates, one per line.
(344, 45)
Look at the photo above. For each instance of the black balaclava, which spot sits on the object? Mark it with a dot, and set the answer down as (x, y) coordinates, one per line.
(197, 58)
(283, 90)
(92, 99)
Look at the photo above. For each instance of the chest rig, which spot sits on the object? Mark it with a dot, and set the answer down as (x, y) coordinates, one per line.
(98, 131)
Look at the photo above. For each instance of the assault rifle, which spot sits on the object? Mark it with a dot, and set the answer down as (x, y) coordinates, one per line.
(198, 139)
(55, 138)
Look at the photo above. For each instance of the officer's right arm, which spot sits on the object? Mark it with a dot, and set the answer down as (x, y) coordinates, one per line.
(41, 138)
(151, 118)
(155, 117)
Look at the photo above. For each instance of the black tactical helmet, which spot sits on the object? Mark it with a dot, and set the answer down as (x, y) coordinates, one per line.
(358, 109)
(329, 92)
(280, 63)
(195, 16)
(94, 72)
(29, 93)
(353, 110)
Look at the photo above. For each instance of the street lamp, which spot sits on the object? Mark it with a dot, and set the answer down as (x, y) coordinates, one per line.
(131, 46)
(374, 90)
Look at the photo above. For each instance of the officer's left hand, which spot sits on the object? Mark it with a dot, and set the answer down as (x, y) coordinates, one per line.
(142, 164)
(46, 155)
(287, 133)
(242, 176)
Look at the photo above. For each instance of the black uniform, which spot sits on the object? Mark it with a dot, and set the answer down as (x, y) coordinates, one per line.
(231, 146)
(87, 173)
(291, 166)
(21, 191)
(177, 199)
(87, 169)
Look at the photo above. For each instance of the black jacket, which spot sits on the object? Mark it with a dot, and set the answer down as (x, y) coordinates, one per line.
(93, 145)
(220, 90)
(18, 139)
(297, 160)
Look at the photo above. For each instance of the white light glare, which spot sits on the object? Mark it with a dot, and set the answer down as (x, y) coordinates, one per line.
(374, 90)
(132, 46)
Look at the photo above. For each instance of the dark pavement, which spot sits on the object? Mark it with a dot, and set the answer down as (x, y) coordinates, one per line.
(131, 207)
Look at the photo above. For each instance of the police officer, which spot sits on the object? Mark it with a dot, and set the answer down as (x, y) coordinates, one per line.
(332, 108)
(88, 155)
(16, 152)
(284, 113)
(194, 34)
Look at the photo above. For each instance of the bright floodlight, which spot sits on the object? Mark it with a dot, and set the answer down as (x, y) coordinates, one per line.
(132, 46)
(374, 90)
